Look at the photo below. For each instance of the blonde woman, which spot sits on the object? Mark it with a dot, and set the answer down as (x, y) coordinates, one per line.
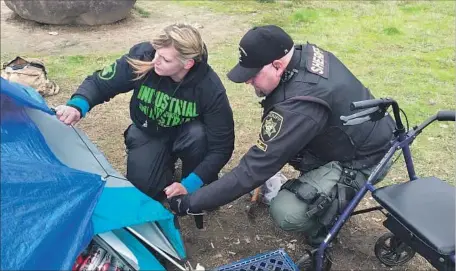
(179, 109)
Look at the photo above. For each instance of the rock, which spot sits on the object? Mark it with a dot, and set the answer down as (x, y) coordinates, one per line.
(88, 12)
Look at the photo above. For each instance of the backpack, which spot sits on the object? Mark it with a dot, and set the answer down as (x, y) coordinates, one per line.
(30, 72)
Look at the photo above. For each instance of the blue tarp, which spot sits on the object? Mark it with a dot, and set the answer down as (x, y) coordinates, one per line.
(50, 211)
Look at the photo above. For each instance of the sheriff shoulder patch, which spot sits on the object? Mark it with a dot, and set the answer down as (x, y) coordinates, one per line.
(108, 72)
(271, 126)
(317, 61)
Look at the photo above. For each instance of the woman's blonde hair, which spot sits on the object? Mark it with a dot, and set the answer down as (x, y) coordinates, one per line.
(185, 38)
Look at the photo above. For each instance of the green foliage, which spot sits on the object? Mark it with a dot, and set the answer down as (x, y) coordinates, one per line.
(142, 12)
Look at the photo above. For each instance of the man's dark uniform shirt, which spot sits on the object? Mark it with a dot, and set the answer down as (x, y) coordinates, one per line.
(301, 121)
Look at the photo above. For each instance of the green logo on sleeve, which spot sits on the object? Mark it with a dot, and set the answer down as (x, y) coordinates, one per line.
(108, 72)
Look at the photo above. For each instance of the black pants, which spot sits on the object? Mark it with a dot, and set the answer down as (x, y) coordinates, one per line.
(150, 161)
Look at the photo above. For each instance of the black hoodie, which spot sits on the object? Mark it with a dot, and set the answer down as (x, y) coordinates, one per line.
(159, 105)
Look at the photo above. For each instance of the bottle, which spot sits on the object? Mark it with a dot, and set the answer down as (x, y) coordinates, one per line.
(93, 260)
(80, 259)
(105, 264)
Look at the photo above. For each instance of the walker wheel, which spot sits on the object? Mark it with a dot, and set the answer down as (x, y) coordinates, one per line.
(308, 262)
(391, 251)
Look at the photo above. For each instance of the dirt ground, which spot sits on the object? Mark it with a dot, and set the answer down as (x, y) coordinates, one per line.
(228, 234)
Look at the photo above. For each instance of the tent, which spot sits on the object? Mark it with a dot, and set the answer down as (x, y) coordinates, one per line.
(58, 192)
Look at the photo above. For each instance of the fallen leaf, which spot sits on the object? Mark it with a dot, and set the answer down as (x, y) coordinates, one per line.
(198, 26)
(291, 246)
(199, 267)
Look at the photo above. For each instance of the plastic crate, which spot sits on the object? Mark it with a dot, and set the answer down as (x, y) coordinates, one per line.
(277, 260)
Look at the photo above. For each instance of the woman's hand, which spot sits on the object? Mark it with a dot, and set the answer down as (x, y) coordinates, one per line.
(67, 114)
(175, 189)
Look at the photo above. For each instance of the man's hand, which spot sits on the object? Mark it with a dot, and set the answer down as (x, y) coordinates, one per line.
(67, 114)
(180, 205)
(175, 189)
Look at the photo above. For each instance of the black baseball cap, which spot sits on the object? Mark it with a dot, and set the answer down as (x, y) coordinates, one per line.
(259, 47)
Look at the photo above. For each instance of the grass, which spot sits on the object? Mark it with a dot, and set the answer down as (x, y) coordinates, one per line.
(398, 49)
(142, 12)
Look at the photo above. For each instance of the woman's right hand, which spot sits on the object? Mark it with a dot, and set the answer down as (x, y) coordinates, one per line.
(67, 114)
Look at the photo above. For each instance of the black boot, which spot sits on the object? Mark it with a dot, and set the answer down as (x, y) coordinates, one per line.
(316, 239)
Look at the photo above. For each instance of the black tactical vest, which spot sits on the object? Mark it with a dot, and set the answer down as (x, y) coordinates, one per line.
(322, 78)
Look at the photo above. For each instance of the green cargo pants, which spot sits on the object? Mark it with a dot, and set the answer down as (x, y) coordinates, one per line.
(289, 212)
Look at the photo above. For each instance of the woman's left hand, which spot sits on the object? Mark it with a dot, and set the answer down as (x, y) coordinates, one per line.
(175, 189)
